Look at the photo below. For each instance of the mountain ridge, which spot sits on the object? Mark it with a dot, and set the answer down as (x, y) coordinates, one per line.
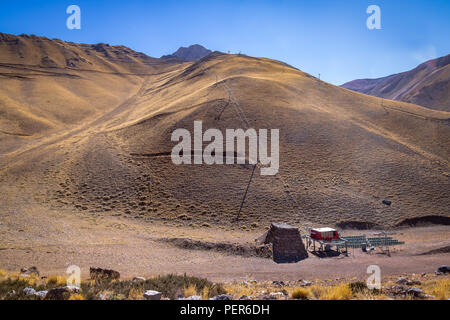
(427, 85)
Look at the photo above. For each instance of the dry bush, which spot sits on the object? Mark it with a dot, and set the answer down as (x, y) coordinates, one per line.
(190, 290)
(300, 293)
(440, 289)
(56, 281)
(205, 293)
(340, 292)
(136, 293)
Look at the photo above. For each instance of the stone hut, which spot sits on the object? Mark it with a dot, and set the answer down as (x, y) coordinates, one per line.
(287, 244)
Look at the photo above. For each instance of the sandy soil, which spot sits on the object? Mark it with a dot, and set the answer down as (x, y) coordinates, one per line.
(53, 240)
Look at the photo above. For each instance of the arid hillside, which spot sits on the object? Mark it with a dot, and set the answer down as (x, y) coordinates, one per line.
(48, 84)
(427, 85)
(107, 142)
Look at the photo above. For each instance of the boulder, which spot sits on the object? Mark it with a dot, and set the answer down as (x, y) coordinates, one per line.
(277, 295)
(152, 295)
(138, 279)
(41, 294)
(414, 291)
(387, 202)
(443, 269)
(103, 274)
(305, 283)
(29, 291)
(58, 294)
(397, 290)
(245, 297)
(29, 271)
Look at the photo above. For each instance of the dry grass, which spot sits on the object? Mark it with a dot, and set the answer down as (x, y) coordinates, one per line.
(136, 293)
(56, 281)
(301, 293)
(190, 290)
(168, 285)
(440, 289)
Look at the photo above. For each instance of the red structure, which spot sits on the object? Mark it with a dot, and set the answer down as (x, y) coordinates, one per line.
(324, 234)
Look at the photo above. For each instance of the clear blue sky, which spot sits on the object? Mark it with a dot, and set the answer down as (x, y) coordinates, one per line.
(329, 37)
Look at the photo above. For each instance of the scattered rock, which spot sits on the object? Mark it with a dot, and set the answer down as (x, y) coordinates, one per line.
(103, 296)
(102, 274)
(58, 294)
(72, 289)
(408, 282)
(138, 279)
(414, 291)
(29, 291)
(222, 297)
(29, 271)
(152, 295)
(277, 295)
(397, 290)
(305, 283)
(387, 202)
(245, 297)
(278, 283)
(41, 294)
(443, 269)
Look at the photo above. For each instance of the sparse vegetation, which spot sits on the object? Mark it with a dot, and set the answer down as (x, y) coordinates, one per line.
(300, 293)
(171, 286)
(440, 289)
(339, 292)
(175, 286)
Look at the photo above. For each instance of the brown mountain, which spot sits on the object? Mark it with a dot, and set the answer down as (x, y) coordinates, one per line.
(191, 53)
(95, 138)
(427, 85)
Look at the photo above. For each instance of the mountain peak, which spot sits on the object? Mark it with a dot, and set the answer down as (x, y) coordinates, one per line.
(191, 53)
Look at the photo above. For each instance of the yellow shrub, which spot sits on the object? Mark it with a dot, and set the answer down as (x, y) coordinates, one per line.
(441, 289)
(3, 273)
(56, 280)
(205, 293)
(340, 292)
(317, 291)
(76, 296)
(190, 291)
(300, 293)
(31, 279)
(240, 290)
(136, 293)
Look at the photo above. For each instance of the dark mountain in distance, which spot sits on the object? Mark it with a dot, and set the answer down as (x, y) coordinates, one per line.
(427, 85)
(192, 53)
